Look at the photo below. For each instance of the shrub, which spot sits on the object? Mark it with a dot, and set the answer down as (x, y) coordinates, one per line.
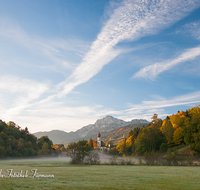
(92, 158)
(78, 151)
(113, 160)
(129, 161)
(152, 159)
(140, 162)
(122, 162)
(172, 158)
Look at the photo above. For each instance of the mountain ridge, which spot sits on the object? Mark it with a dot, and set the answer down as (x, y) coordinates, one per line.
(103, 125)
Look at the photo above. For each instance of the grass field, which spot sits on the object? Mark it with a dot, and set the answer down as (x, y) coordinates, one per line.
(99, 176)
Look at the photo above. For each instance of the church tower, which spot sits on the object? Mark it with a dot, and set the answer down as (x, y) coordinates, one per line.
(99, 140)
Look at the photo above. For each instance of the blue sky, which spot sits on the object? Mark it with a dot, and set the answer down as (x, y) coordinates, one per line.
(65, 64)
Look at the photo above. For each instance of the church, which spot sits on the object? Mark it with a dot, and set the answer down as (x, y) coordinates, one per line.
(99, 140)
(101, 144)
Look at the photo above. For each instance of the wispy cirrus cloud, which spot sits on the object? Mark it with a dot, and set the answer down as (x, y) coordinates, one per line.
(147, 108)
(13, 84)
(152, 71)
(193, 28)
(175, 101)
(129, 22)
(17, 93)
(55, 49)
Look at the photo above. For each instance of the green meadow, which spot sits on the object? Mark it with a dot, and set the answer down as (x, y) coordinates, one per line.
(99, 176)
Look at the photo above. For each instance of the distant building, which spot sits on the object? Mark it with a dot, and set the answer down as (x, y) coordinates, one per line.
(99, 140)
(101, 144)
(105, 148)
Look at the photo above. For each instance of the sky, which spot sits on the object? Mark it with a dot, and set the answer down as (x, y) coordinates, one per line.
(64, 64)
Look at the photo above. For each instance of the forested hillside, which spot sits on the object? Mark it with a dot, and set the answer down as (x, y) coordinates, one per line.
(182, 128)
(17, 142)
(117, 135)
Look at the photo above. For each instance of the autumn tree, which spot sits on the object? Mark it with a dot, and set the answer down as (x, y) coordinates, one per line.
(191, 130)
(45, 149)
(56, 148)
(122, 148)
(91, 143)
(150, 138)
(168, 130)
(44, 145)
(77, 151)
(178, 136)
(131, 139)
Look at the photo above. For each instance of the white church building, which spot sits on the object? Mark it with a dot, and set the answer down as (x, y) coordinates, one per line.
(99, 144)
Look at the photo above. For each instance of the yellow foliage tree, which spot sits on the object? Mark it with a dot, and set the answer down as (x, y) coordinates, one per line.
(178, 119)
(121, 147)
(168, 130)
(178, 136)
(129, 140)
(45, 149)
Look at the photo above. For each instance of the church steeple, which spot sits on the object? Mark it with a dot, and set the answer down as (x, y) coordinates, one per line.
(99, 140)
(98, 135)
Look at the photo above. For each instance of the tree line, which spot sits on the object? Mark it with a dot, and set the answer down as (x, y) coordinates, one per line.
(17, 142)
(182, 128)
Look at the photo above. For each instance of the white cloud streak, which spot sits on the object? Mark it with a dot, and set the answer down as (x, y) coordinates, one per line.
(18, 93)
(152, 71)
(176, 101)
(129, 22)
(193, 28)
(55, 49)
(13, 84)
(146, 109)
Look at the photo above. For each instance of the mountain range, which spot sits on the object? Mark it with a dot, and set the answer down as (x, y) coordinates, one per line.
(104, 125)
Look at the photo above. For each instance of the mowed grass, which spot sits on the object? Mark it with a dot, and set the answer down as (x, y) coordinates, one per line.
(100, 176)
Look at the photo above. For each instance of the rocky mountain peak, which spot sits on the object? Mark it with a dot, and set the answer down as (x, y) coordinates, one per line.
(108, 120)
